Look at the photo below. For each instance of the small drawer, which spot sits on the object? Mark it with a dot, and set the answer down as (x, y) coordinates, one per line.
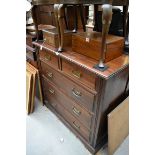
(80, 74)
(69, 87)
(49, 58)
(51, 97)
(52, 93)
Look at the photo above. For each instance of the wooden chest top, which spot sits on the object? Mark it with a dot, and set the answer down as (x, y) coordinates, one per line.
(114, 66)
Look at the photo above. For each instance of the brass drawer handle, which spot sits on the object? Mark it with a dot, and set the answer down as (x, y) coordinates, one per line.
(51, 91)
(47, 57)
(76, 126)
(76, 111)
(76, 73)
(50, 75)
(76, 93)
(54, 104)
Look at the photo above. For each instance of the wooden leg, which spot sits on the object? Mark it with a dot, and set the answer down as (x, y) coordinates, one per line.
(82, 17)
(95, 18)
(75, 19)
(56, 7)
(34, 16)
(61, 25)
(125, 20)
(106, 20)
(65, 18)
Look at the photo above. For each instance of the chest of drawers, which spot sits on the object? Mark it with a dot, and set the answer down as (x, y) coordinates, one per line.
(80, 95)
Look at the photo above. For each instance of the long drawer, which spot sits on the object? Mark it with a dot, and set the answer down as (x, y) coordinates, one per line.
(52, 91)
(70, 88)
(78, 73)
(52, 96)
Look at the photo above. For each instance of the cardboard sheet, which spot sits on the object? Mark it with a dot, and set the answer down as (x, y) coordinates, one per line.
(118, 126)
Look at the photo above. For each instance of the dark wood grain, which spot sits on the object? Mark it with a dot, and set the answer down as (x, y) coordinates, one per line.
(51, 37)
(49, 58)
(114, 66)
(112, 91)
(78, 73)
(91, 41)
(78, 112)
(70, 88)
(54, 99)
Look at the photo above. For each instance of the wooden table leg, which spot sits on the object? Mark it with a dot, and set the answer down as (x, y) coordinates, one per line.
(95, 18)
(125, 20)
(75, 19)
(61, 26)
(106, 20)
(34, 16)
(59, 15)
(82, 17)
(56, 7)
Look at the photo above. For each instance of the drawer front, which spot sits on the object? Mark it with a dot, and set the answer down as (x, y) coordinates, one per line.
(49, 58)
(82, 115)
(82, 75)
(70, 88)
(51, 96)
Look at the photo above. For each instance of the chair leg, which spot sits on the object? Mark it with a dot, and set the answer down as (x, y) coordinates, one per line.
(125, 20)
(82, 17)
(66, 18)
(76, 19)
(95, 18)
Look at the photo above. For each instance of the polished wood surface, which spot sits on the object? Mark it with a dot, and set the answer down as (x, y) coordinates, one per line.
(59, 6)
(49, 58)
(51, 91)
(80, 95)
(51, 37)
(89, 44)
(78, 73)
(82, 107)
(52, 97)
(74, 91)
(114, 66)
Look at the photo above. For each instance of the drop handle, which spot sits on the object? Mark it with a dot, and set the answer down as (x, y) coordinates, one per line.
(47, 57)
(50, 75)
(51, 91)
(76, 126)
(76, 93)
(76, 111)
(76, 73)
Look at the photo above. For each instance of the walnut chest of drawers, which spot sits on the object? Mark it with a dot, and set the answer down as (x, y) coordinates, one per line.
(80, 95)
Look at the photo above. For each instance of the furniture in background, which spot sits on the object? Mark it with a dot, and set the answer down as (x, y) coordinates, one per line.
(59, 14)
(31, 55)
